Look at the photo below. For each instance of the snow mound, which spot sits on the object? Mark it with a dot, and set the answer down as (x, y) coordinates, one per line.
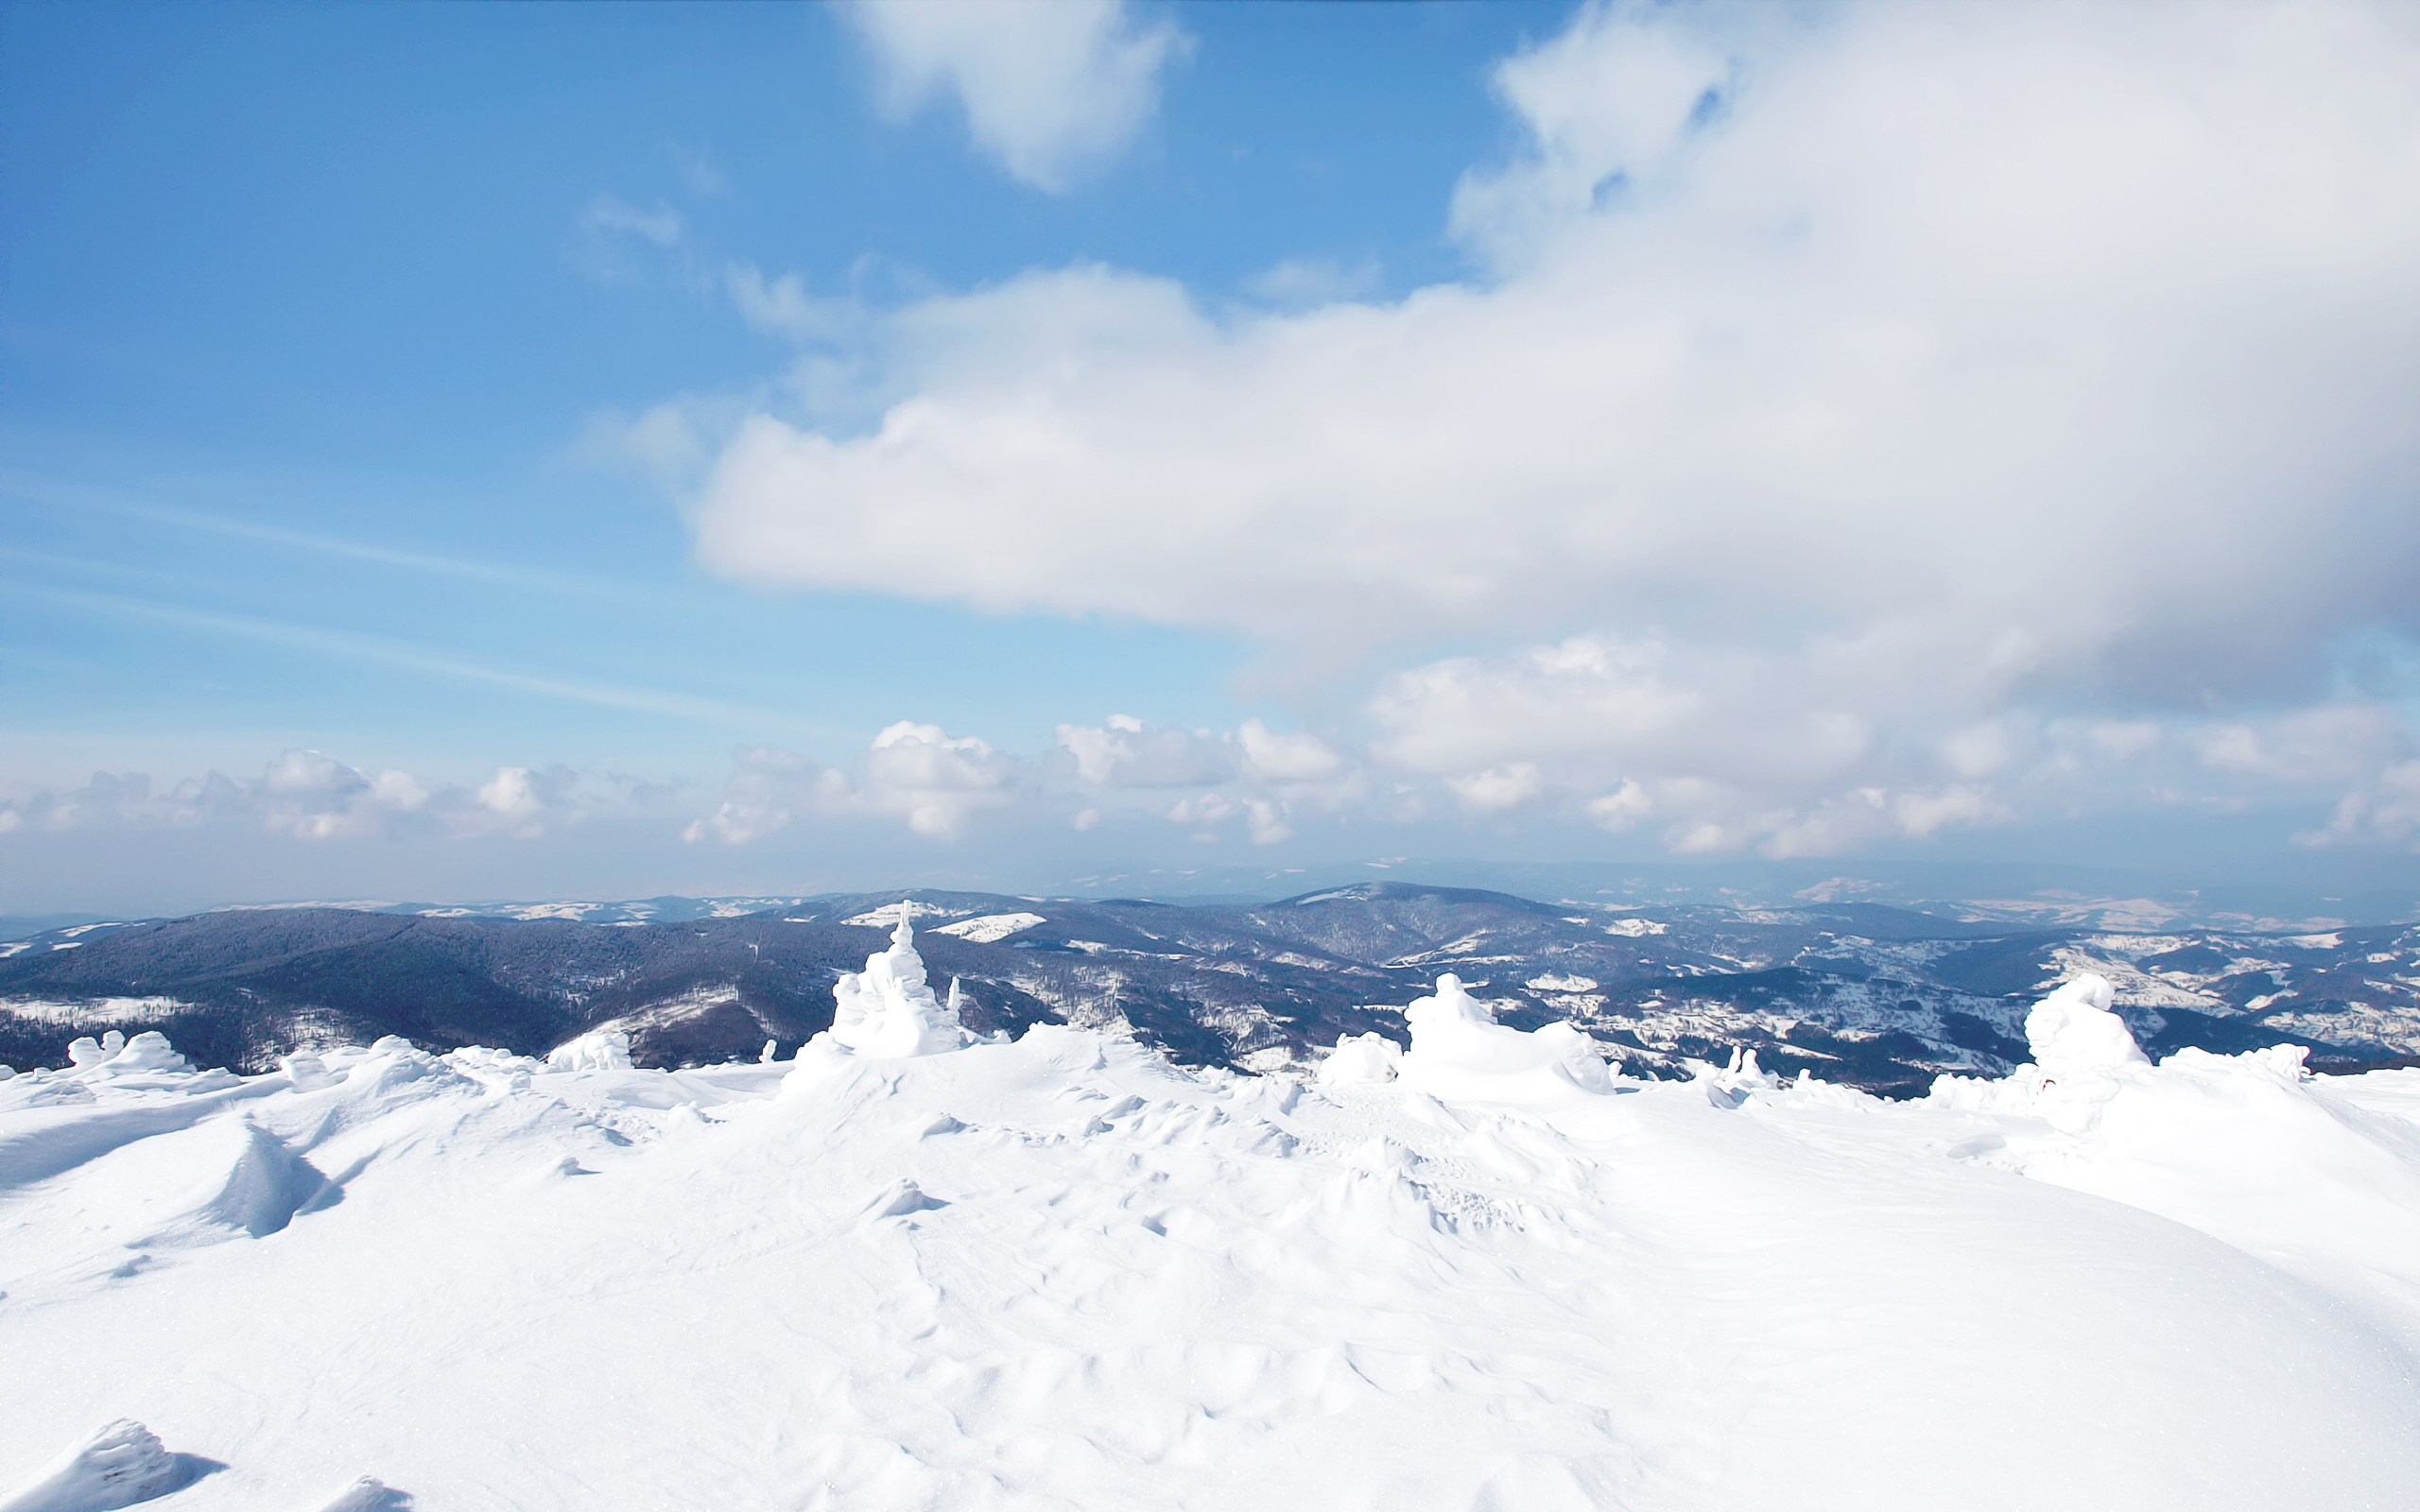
(888, 1011)
(148, 1053)
(2073, 1034)
(1361, 1061)
(307, 1071)
(368, 1494)
(118, 1464)
(597, 1050)
(1460, 1052)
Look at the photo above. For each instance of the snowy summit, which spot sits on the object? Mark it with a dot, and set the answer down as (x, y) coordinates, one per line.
(916, 1269)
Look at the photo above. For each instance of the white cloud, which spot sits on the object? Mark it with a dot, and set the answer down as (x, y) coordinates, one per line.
(1609, 105)
(310, 796)
(1299, 281)
(938, 781)
(1288, 758)
(1621, 809)
(1125, 752)
(767, 789)
(1949, 403)
(783, 306)
(1498, 788)
(606, 214)
(1049, 87)
(2383, 808)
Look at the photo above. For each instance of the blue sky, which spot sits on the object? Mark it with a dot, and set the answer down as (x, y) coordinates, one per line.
(614, 449)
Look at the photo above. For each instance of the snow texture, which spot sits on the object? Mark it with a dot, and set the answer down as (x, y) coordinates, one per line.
(1061, 1273)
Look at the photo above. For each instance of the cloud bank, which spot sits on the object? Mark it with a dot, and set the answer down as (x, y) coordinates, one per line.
(311, 797)
(1854, 426)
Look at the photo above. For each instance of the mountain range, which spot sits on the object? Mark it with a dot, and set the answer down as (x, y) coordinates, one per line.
(1860, 993)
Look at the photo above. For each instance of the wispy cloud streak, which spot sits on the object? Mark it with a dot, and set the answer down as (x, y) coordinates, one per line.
(393, 653)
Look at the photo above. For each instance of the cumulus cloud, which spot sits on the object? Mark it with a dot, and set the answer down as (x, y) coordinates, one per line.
(1864, 424)
(1049, 87)
(938, 782)
(768, 788)
(1252, 783)
(1126, 752)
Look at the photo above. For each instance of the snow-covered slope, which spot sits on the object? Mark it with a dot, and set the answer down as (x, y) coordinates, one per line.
(1061, 1271)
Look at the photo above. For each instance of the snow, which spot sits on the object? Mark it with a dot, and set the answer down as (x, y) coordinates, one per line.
(987, 928)
(914, 1270)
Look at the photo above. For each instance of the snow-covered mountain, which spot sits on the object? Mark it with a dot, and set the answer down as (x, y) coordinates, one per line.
(1865, 994)
(922, 1266)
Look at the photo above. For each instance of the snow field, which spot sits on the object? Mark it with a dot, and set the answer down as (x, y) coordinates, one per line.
(1063, 1272)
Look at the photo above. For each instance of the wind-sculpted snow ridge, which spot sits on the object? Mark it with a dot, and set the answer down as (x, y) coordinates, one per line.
(116, 1466)
(915, 1269)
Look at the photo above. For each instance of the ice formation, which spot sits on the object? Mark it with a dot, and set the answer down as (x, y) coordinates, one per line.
(888, 1011)
(1061, 1271)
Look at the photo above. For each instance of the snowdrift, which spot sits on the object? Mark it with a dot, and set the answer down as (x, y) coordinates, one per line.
(913, 1269)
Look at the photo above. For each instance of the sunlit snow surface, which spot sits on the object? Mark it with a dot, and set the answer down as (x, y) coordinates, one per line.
(1063, 1272)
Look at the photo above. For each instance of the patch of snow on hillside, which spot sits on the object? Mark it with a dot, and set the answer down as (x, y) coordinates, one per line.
(1636, 928)
(2135, 986)
(986, 928)
(889, 914)
(97, 1011)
